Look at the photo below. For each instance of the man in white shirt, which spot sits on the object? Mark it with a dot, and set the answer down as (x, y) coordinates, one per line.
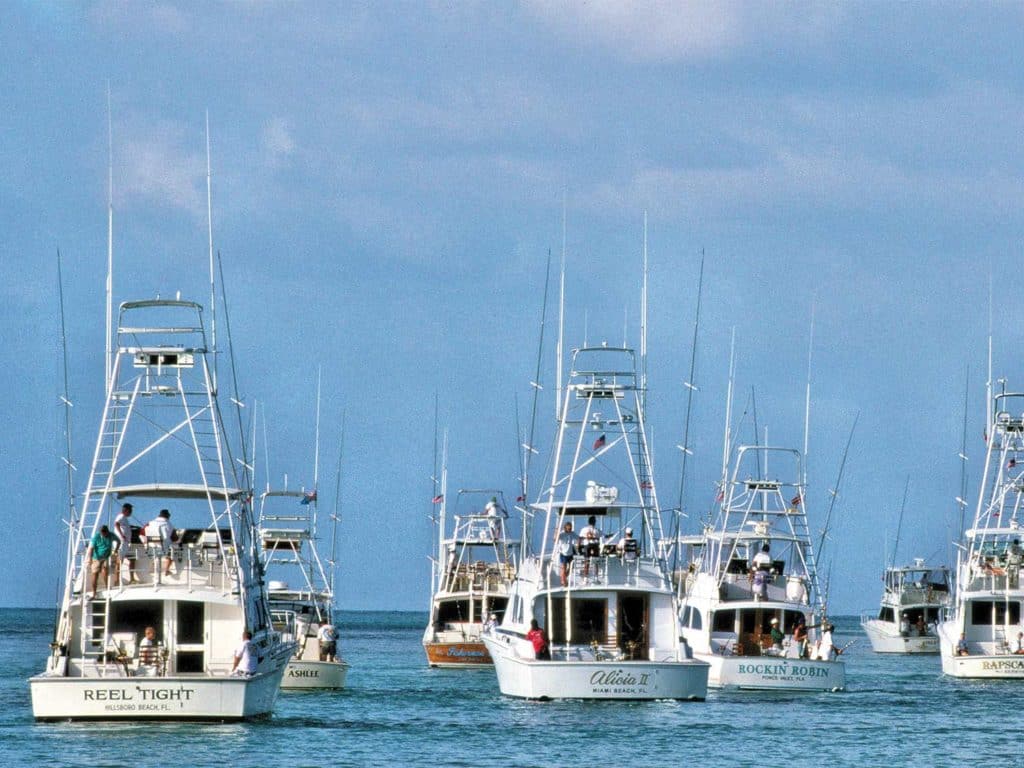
(565, 546)
(245, 656)
(123, 533)
(327, 637)
(589, 543)
(162, 529)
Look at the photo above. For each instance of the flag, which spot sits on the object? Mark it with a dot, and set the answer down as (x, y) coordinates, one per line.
(720, 496)
(309, 497)
(438, 499)
(795, 501)
(520, 498)
(599, 443)
(646, 484)
(1011, 464)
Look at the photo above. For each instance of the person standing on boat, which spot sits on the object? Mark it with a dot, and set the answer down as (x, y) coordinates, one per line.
(826, 645)
(1013, 562)
(245, 656)
(921, 627)
(327, 637)
(536, 635)
(494, 515)
(97, 556)
(777, 636)
(565, 546)
(161, 532)
(800, 637)
(961, 646)
(590, 543)
(905, 625)
(123, 532)
(763, 559)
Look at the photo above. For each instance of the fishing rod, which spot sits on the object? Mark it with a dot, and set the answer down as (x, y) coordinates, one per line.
(834, 492)
(899, 524)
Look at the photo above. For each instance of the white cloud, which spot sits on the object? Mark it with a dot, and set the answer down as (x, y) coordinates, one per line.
(154, 163)
(277, 138)
(673, 30)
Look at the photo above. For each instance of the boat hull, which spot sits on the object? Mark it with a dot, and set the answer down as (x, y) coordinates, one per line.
(629, 680)
(459, 655)
(222, 699)
(774, 673)
(1001, 667)
(314, 675)
(887, 639)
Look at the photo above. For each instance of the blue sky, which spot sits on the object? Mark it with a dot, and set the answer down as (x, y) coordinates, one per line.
(388, 179)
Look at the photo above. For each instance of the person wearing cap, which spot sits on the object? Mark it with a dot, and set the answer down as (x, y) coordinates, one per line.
(161, 532)
(494, 514)
(491, 623)
(777, 635)
(123, 553)
(628, 546)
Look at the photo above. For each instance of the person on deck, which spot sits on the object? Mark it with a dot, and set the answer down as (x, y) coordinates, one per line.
(763, 559)
(826, 644)
(1018, 644)
(628, 544)
(961, 646)
(123, 532)
(777, 636)
(800, 637)
(590, 543)
(97, 557)
(149, 652)
(921, 627)
(161, 529)
(565, 546)
(536, 635)
(494, 514)
(245, 656)
(905, 626)
(327, 637)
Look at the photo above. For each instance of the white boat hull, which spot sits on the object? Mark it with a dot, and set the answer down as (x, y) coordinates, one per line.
(223, 699)
(532, 679)
(314, 675)
(1002, 667)
(885, 638)
(774, 673)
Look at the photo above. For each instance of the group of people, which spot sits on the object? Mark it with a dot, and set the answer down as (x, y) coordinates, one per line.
(825, 650)
(108, 551)
(920, 626)
(589, 543)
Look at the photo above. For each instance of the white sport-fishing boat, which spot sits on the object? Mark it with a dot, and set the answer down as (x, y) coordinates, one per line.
(471, 577)
(162, 444)
(980, 639)
(914, 601)
(753, 570)
(611, 623)
(300, 592)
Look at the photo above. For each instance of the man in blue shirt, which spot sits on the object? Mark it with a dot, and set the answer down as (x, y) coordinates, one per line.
(97, 556)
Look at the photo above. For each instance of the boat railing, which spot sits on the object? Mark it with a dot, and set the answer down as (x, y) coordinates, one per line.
(479, 576)
(612, 568)
(200, 564)
(772, 586)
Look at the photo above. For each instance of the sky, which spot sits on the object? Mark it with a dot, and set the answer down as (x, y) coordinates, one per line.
(388, 180)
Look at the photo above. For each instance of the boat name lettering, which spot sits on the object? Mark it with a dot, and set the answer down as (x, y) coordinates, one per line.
(798, 670)
(303, 673)
(465, 653)
(1003, 666)
(618, 677)
(140, 694)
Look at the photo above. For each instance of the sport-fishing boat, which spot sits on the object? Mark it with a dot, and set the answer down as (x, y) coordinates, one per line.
(472, 573)
(161, 636)
(914, 600)
(300, 591)
(750, 602)
(607, 604)
(983, 636)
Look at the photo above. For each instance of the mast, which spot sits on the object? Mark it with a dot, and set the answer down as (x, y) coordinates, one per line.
(316, 453)
(643, 326)
(561, 322)
(336, 517)
(691, 387)
(807, 396)
(209, 230)
(108, 358)
(899, 524)
(72, 521)
(961, 500)
(726, 443)
(988, 379)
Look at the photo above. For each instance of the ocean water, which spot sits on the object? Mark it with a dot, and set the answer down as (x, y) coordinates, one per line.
(397, 711)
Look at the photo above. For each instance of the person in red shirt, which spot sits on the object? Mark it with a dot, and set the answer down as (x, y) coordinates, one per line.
(540, 641)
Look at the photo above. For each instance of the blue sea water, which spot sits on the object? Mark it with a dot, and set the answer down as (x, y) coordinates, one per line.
(896, 711)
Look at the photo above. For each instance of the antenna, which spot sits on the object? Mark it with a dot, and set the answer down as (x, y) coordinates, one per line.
(807, 397)
(316, 450)
(899, 523)
(726, 447)
(561, 322)
(528, 449)
(962, 498)
(643, 326)
(336, 517)
(988, 381)
(834, 493)
(209, 230)
(66, 400)
(690, 388)
(108, 359)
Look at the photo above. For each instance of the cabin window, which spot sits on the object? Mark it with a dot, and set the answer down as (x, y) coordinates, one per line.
(453, 611)
(498, 606)
(695, 620)
(790, 619)
(188, 661)
(985, 612)
(478, 610)
(190, 623)
(724, 621)
(932, 615)
(136, 616)
(589, 621)
(886, 614)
